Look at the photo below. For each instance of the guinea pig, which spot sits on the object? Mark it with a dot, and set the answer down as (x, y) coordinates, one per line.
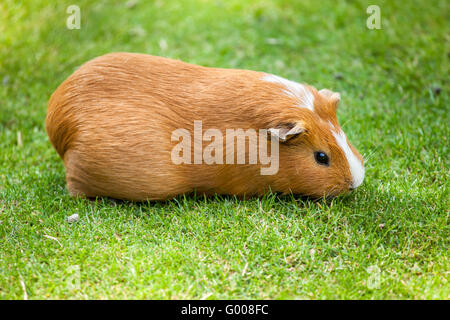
(140, 127)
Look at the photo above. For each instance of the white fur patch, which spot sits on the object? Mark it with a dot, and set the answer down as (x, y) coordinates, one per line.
(356, 167)
(293, 89)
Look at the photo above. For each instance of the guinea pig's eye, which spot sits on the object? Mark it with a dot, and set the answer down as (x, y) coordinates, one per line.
(322, 158)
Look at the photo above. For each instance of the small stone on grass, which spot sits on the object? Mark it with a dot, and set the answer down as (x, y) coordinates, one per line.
(73, 218)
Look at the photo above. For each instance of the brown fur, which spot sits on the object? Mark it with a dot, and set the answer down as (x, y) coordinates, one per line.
(111, 122)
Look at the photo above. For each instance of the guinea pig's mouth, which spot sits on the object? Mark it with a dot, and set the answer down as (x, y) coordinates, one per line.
(315, 197)
(335, 192)
(331, 193)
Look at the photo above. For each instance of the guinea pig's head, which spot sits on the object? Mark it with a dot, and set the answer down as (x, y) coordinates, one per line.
(315, 157)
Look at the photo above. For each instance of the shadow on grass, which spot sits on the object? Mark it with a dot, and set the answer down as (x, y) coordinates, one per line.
(57, 186)
(192, 201)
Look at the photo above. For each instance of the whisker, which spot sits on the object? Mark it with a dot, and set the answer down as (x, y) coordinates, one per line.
(372, 152)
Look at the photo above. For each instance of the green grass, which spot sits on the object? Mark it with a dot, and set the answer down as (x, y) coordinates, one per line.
(389, 239)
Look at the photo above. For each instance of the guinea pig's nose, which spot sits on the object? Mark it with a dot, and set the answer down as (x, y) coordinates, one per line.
(351, 188)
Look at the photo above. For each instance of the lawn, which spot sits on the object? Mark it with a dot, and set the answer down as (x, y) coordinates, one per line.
(387, 240)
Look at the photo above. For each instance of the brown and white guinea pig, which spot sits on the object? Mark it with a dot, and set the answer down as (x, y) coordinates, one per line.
(118, 121)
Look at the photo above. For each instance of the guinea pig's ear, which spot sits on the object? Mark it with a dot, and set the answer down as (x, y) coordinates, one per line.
(332, 97)
(287, 131)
